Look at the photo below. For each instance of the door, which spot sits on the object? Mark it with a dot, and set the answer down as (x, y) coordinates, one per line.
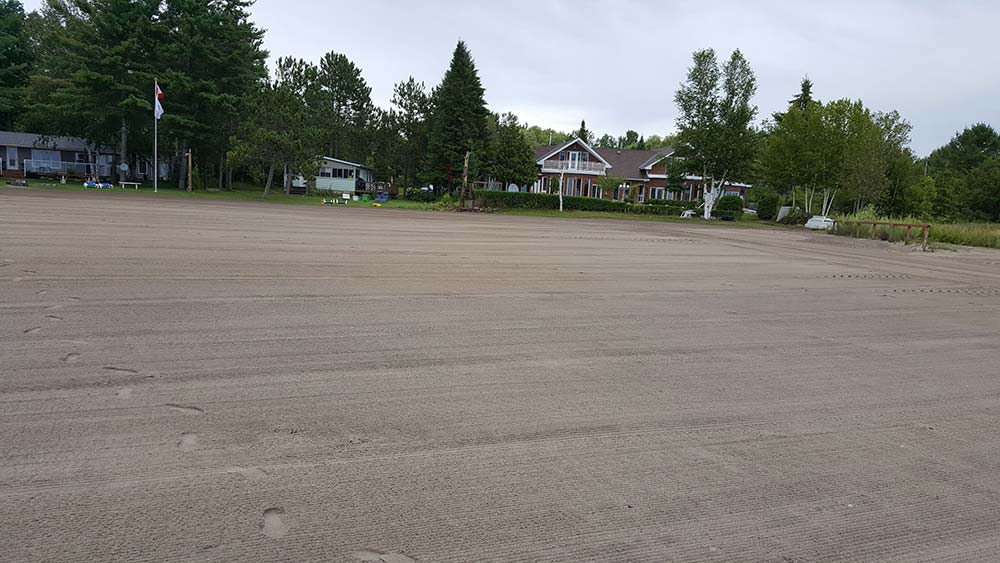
(574, 160)
(12, 158)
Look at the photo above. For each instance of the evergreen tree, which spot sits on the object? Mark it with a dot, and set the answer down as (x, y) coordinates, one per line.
(342, 103)
(16, 58)
(277, 129)
(583, 133)
(641, 145)
(412, 109)
(458, 123)
(209, 60)
(804, 97)
(512, 158)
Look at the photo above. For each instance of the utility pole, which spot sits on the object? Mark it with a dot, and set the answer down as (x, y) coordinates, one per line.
(189, 169)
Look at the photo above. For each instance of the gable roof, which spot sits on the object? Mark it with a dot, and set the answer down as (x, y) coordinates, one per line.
(542, 153)
(629, 164)
(52, 142)
(354, 164)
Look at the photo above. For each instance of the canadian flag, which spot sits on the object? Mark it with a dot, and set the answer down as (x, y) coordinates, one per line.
(157, 108)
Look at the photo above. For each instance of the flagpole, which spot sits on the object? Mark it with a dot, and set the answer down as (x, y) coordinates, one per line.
(156, 133)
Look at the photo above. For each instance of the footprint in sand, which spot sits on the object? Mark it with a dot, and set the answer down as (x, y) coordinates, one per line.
(273, 524)
(378, 556)
(190, 411)
(41, 292)
(123, 370)
(53, 307)
(187, 442)
(250, 473)
(33, 330)
(53, 317)
(71, 357)
(124, 393)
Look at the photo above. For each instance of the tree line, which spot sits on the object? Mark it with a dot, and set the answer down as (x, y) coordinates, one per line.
(85, 68)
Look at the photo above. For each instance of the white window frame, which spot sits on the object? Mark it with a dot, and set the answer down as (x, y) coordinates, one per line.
(11, 163)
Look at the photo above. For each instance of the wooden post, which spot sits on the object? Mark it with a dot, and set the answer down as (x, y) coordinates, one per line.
(189, 169)
(874, 229)
(927, 229)
(907, 241)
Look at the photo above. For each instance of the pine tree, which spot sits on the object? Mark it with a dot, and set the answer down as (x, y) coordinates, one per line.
(583, 133)
(512, 159)
(209, 60)
(342, 103)
(277, 129)
(458, 122)
(804, 97)
(15, 61)
(412, 108)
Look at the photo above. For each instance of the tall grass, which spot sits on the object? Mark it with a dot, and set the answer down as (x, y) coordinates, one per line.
(967, 234)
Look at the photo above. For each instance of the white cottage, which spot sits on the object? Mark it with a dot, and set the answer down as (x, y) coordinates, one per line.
(340, 176)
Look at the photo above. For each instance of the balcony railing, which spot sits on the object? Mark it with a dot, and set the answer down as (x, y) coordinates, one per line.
(83, 169)
(572, 166)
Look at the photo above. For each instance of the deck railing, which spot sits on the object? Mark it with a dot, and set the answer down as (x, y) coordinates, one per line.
(83, 169)
(572, 166)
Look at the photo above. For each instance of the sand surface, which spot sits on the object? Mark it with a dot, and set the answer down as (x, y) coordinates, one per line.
(188, 380)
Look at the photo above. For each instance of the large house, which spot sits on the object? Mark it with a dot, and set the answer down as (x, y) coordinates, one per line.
(644, 171)
(29, 154)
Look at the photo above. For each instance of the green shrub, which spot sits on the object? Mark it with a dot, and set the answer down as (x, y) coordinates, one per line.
(414, 194)
(796, 217)
(682, 205)
(767, 206)
(729, 203)
(521, 200)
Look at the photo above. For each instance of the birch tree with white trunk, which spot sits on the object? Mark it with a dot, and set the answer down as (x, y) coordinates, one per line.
(715, 121)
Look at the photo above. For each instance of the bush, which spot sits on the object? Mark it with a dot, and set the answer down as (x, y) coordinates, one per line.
(729, 203)
(414, 194)
(682, 205)
(796, 217)
(767, 206)
(520, 200)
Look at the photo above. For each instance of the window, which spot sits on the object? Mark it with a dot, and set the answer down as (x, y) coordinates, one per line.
(656, 193)
(586, 191)
(564, 155)
(568, 187)
(586, 157)
(12, 158)
(642, 194)
(42, 154)
(325, 173)
(598, 192)
(142, 167)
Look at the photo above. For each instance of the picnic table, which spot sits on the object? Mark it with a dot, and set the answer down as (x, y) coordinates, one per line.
(125, 185)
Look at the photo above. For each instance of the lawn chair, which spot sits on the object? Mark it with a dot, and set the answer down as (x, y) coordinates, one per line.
(381, 197)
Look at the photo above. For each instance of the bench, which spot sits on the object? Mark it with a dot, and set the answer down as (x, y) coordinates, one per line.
(125, 185)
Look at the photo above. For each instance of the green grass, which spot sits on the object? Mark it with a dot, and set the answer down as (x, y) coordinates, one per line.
(240, 192)
(748, 221)
(966, 234)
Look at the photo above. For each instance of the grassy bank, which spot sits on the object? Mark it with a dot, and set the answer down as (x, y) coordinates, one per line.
(240, 192)
(967, 234)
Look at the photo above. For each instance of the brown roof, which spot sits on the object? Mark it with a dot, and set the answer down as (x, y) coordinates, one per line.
(624, 163)
(628, 163)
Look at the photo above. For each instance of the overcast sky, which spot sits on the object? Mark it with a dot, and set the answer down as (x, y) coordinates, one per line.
(618, 63)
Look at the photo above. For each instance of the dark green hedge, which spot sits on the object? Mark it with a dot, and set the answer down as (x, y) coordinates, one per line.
(521, 200)
(674, 203)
